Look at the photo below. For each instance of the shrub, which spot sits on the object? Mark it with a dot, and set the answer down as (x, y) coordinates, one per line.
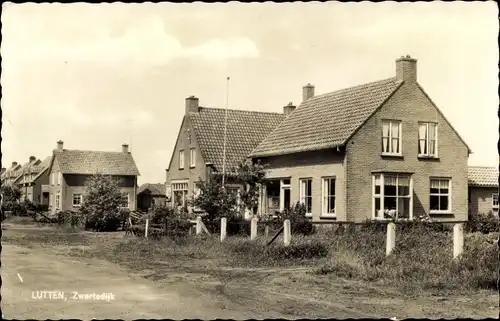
(70, 218)
(484, 223)
(177, 226)
(300, 224)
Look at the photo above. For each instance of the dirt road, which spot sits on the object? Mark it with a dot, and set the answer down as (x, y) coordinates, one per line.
(134, 297)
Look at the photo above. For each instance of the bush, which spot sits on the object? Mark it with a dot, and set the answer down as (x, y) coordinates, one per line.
(484, 223)
(177, 226)
(107, 222)
(70, 218)
(300, 224)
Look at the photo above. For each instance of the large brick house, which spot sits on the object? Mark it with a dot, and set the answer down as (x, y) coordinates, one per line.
(198, 151)
(483, 189)
(365, 152)
(69, 169)
(33, 180)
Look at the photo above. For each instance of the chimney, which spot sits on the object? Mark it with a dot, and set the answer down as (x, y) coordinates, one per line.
(287, 110)
(192, 105)
(307, 92)
(60, 145)
(125, 148)
(406, 68)
(14, 164)
(32, 159)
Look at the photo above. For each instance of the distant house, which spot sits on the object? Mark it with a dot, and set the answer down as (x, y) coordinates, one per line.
(11, 174)
(367, 152)
(33, 180)
(198, 151)
(69, 170)
(150, 195)
(483, 189)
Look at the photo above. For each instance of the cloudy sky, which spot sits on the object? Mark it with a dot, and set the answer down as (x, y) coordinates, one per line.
(97, 76)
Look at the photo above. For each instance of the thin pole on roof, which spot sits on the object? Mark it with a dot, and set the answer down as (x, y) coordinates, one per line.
(225, 134)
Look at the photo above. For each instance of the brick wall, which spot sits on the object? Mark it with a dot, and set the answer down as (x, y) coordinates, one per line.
(410, 105)
(481, 199)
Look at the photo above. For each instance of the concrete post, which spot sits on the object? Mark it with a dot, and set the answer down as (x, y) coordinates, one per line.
(253, 229)
(198, 225)
(287, 233)
(458, 240)
(147, 227)
(223, 229)
(391, 238)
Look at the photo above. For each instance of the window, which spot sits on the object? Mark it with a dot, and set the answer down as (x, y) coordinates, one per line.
(58, 200)
(59, 178)
(125, 200)
(180, 190)
(328, 197)
(153, 202)
(392, 196)
(306, 194)
(77, 200)
(391, 137)
(53, 178)
(192, 157)
(181, 159)
(440, 192)
(235, 192)
(495, 200)
(427, 139)
(30, 197)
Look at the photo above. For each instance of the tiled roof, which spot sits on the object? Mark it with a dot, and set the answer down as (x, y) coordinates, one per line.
(245, 130)
(328, 120)
(12, 171)
(94, 162)
(483, 176)
(44, 166)
(155, 189)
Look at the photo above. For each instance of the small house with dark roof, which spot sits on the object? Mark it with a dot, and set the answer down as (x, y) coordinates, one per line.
(373, 151)
(199, 148)
(483, 189)
(33, 179)
(69, 169)
(150, 195)
(11, 174)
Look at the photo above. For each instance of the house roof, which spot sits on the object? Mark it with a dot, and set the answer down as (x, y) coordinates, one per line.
(12, 171)
(34, 167)
(483, 176)
(94, 162)
(245, 130)
(154, 189)
(327, 120)
(44, 166)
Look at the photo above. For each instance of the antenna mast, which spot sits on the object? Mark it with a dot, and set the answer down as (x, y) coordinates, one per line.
(225, 134)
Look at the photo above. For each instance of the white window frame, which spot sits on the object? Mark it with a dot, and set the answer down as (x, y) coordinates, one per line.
(128, 199)
(30, 197)
(181, 159)
(192, 158)
(59, 178)
(284, 187)
(302, 191)
(325, 199)
(175, 187)
(493, 197)
(427, 141)
(392, 122)
(73, 199)
(447, 211)
(53, 178)
(57, 200)
(380, 214)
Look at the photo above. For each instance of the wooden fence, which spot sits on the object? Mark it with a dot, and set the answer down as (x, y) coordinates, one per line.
(285, 230)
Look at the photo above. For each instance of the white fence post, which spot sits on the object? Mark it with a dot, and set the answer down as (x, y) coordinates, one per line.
(287, 234)
(147, 228)
(253, 229)
(223, 229)
(198, 225)
(266, 230)
(458, 240)
(391, 238)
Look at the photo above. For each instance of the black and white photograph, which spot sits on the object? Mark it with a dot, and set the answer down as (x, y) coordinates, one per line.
(265, 160)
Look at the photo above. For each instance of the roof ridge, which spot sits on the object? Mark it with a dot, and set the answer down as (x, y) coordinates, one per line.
(376, 82)
(481, 166)
(242, 110)
(92, 151)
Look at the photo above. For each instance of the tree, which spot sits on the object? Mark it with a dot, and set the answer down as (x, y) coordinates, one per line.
(101, 204)
(10, 194)
(252, 176)
(215, 200)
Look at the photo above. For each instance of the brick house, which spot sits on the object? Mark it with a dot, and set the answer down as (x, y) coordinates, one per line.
(483, 189)
(150, 195)
(198, 151)
(69, 169)
(382, 148)
(33, 180)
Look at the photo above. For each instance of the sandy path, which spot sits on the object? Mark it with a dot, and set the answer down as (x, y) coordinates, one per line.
(135, 297)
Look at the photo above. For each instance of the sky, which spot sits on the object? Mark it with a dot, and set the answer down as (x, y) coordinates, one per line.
(100, 75)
